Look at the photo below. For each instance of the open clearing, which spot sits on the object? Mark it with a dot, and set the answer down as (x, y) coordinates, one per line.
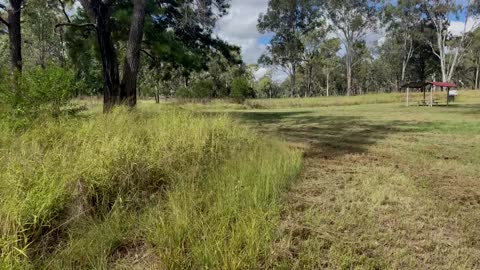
(383, 186)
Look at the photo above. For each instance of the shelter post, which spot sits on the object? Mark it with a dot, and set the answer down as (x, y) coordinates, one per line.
(431, 95)
(448, 95)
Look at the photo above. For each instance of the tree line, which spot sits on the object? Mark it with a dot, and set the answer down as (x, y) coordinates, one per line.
(359, 46)
(109, 43)
(123, 49)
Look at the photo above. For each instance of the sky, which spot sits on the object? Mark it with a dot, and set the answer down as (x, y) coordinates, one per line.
(239, 27)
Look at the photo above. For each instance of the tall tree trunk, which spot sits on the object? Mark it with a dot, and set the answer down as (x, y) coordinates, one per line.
(408, 47)
(111, 81)
(132, 59)
(477, 71)
(157, 94)
(15, 42)
(294, 81)
(310, 75)
(348, 57)
(99, 14)
(348, 64)
(328, 83)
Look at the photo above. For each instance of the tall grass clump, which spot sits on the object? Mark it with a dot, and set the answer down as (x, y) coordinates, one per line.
(174, 188)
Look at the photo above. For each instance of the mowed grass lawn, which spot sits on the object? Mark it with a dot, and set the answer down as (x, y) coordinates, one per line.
(383, 186)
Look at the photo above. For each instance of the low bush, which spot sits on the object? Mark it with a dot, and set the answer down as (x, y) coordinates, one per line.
(200, 89)
(241, 89)
(178, 190)
(40, 92)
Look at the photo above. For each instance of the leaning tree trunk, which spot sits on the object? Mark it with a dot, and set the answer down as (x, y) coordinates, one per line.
(132, 59)
(15, 40)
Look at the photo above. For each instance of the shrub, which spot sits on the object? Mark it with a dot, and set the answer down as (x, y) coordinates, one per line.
(241, 89)
(183, 92)
(199, 90)
(41, 91)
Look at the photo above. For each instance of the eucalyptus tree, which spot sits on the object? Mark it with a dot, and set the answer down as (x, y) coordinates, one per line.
(328, 60)
(10, 18)
(149, 24)
(353, 20)
(450, 48)
(313, 43)
(289, 21)
(42, 42)
(473, 56)
(100, 13)
(404, 20)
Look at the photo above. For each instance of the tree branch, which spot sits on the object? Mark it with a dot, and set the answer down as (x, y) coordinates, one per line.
(433, 49)
(148, 54)
(62, 4)
(77, 25)
(4, 22)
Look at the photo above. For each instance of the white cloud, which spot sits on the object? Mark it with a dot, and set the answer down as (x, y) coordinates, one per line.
(239, 27)
(279, 76)
(457, 28)
(260, 72)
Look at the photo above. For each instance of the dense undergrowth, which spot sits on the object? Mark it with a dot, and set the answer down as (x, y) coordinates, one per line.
(150, 189)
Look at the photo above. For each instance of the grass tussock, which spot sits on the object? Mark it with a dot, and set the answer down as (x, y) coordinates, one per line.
(148, 189)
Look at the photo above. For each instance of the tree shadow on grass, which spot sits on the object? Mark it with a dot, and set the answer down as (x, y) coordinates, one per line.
(328, 136)
(469, 109)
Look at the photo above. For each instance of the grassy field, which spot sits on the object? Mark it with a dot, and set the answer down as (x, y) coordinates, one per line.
(159, 188)
(186, 186)
(383, 186)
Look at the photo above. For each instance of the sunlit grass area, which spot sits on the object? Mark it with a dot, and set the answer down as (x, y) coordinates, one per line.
(415, 97)
(383, 186)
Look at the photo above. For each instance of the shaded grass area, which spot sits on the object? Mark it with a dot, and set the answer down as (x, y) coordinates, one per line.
(383, 186)
(157, 188)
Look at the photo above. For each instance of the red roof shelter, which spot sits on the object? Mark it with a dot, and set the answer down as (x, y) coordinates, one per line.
(423, 86)
(443, 84)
